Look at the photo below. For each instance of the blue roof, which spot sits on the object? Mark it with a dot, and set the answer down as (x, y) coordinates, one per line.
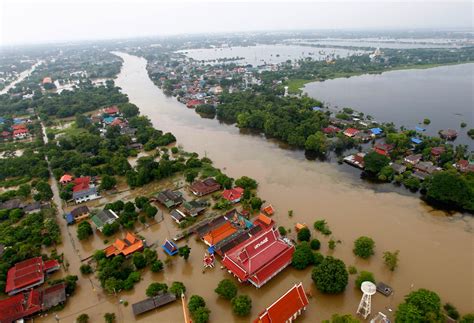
(109, 119)
(2, 120)
(169, 247)
(416, 140)
(17, 120)
(376, 131)
(419, 128)
(316, 108)
(211, 250)
(69, 218)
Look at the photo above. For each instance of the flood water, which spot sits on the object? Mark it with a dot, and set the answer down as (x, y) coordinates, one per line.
(267, 54)
(435, 250)
(442, 94)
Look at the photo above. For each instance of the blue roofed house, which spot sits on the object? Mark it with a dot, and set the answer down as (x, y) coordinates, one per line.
(2, 120)
(169, 247)
(316, 108)
(108, 120)
(376, 131)
(416, 141)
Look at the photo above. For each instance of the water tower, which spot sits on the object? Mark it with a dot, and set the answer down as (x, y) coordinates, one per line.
(368, 289)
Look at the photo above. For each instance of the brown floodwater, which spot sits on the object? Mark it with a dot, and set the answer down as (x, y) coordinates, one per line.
(436, 251)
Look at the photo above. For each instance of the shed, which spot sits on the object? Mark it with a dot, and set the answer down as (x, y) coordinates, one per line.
(152, 303)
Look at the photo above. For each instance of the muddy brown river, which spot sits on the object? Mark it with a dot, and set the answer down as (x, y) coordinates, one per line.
(436, 251)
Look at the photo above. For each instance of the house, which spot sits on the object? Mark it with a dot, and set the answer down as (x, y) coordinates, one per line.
(268, 210)
(448, 134)
(398, 168)
(170, 247)
(47, 80)
(437, 151)
(177, 215)
(383, 148)
(112, 110)
(363, 136)
(203, 228)
(356, 160)
(376, 132)
(108, 120)
(6, 135)
(28, 274)
(351, 132)
(117, 123)
(31, 208)
(78, 214)
(413, 159)
(331, 130)
(104, 217)
(194, 208)
(464, 166)
(263, 221)
(218, 234)
(65, 179)
(207, 186)
(194, 103)
(153, 303)
(233, 195)
(259, 258)
(20, 133)
(85, 195)
(170, 198)
(287, 308)
(416, 141)
(426, 167)
(125, 247)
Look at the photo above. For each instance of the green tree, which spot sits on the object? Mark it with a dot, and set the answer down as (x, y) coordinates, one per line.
(86, 269)
(190, 175)
(84, 230)
(364, 247)
(256, 203)
(150, 210)
(157, 266)
(195, 302)
(241, 305)
(129, 110)
(315, 244)
(391, 259)
(451, 189)
(24, 190)
(110, 229)
(177, 288)
(184, 252)
(155, 289)
(374, 162)
(226, 289)
(201, 315)
(139, 260)
(110, 318)
(304, 234)
(316, 143)
(451, 311)
(468, 318)
(107, 182)
(246, 183)
(330, 277)
(412, 183)
(338, 318)
(83, 318)
(224, 180)
(282, 230)
(364, 276)
(44, 191)
(303, 256)
(421, 305)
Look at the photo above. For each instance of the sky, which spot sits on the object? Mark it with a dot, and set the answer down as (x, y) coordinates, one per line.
(43, 21)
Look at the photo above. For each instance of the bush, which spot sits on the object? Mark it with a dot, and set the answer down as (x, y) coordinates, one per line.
(451, 311)
(201, 315)
(315, 244)
(139, 260)
(412, 183)
(241, 305)
(195, 302)
(364, 276)
(282, 231)
(426, 121)
(226, 289)
(174, 150)
(364, 247)
(330, 276)
(84, 230)
(156, 288)
(304, 234)
(468, 318)
(352, 270)
(157, 266)
(337, 318)
(391, 259)
(109, 317)
(83, 318)
(110, 229)
(177, 288)
(420, 306)
(322, 227)
(303, 256)
(86, 269)
(374, 162)
(246, 183)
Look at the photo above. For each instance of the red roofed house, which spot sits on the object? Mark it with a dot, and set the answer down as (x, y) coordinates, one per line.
(6, 134)
(20, 306)
(218, 234)
(194, 103)
(65, 179)
(383, 149)
(233, 195)
(47, 80)
(259, 258)
(29, 273)
(81, 183)
(464, 166)
(125, 247)
(112, 110)
(268, 210)
(351, 132)
(207, 186)
(287, 308)
(330, 130)
(117, 122)
(19, 126)
(20, 133)
(437, 151)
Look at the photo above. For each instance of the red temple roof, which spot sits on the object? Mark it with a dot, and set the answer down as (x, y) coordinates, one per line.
(28, 272)
(20, 306)
(19, 126)
(286, 308)
(219, 234)
(259, 258)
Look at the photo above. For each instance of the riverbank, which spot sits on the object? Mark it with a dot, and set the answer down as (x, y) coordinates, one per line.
(314, 191)
(295, 85)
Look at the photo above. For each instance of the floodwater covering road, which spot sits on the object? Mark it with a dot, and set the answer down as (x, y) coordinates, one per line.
(21, 77)
(435, 250)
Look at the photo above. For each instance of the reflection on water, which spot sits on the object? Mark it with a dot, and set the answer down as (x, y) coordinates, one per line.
(431, 245)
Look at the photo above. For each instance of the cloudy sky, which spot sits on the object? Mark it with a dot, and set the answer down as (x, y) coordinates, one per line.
(36, 21)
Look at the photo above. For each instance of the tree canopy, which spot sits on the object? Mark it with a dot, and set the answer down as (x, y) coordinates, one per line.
(331, 276)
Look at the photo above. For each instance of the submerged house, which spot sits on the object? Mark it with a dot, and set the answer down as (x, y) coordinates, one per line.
(170, 198)
(104, 217)
(207, 186)
(28, 274)
(78, 214)
(83, 190)
(125, 247)
(170, 247)
(287, 308)
(233, 195)
(260, 258)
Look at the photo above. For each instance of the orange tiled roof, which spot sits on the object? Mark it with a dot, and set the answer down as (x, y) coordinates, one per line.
(219, 233)
(265, 219)
(126, 246)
